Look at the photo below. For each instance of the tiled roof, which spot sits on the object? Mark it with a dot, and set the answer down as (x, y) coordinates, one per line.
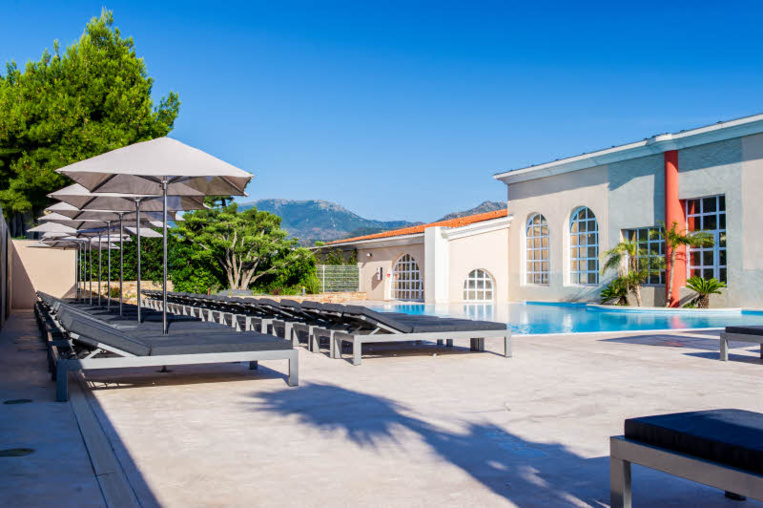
(451, 223)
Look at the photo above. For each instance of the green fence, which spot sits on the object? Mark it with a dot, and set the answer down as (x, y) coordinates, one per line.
(338, 278)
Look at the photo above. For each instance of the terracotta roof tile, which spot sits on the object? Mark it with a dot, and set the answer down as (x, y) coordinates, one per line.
(451, 223)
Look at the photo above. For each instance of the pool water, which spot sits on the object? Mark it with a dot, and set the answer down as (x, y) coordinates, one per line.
(540, 317)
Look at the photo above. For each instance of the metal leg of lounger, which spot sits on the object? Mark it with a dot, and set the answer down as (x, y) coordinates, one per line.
(724, 348)
(253, 365)
(439, 342)
(472, 344)
(619, 483)
(357, 350)
(332, 346)
(288, 331)
(62, 381)
(507, 346)
(449, 343)
(313, 342)
(294, 369)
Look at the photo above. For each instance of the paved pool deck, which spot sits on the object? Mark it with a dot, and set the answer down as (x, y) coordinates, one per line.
(418, 426)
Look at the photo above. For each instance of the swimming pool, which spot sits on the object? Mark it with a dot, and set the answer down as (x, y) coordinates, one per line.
(540, 317)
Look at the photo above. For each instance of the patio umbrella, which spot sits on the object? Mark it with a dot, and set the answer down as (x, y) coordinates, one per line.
(161, 166)
(53, 227)
(143, 233)
(125, 205)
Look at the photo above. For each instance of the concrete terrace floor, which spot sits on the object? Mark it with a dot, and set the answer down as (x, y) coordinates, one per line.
(411, 429)
(58, 471)
(408, 428)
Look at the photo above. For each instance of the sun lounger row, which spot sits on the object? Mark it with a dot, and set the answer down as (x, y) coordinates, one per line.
(81, 337)
(333, 324)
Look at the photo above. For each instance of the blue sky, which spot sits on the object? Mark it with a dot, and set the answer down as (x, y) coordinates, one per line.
(405, 110)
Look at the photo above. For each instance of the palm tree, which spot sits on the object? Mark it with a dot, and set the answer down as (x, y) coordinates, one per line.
(705, 288)
(675, 238)
(632, 266)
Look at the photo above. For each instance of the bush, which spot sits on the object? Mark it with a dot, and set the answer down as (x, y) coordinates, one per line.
(615, 293)
(312, 285)
(195, 281)
(114, 292)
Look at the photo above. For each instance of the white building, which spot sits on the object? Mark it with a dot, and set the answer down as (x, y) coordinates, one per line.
(563, 215)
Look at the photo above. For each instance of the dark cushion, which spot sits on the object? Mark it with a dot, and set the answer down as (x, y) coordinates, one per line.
(745, 330)
(728, 436)
(216, 343)
(93, 332)
(307, 304)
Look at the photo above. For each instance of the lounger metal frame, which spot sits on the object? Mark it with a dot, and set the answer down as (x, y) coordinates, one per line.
(126, 360)
(623, 452)
(738, 337)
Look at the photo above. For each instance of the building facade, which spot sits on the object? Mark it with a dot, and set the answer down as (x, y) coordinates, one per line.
(564, 215)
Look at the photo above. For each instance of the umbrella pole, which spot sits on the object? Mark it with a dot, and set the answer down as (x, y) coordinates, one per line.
(100, 268)
(121, 262)
(76, 274)
(108, 277)
(164, 245)
(137, 232)
(90, 258)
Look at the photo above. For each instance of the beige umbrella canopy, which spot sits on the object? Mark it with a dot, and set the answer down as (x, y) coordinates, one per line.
(53, 227)
(141, 168)
(81, 198)
(162, 166)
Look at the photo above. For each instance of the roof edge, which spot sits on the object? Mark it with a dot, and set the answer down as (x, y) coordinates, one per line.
(659, 143)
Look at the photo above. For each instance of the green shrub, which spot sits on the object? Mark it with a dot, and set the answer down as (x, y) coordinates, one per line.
(312, 285)
(615, 293)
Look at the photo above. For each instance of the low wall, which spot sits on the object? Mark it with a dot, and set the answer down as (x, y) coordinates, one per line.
(323, 297)
(48, 270)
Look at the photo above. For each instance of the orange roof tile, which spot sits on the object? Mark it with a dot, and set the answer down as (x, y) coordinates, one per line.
(451, 223)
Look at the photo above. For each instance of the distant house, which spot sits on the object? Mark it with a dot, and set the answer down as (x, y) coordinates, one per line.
(561, 216)
(463, 259)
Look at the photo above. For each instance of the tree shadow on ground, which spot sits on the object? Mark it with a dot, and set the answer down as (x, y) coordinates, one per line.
(525, 472)
(667, 340)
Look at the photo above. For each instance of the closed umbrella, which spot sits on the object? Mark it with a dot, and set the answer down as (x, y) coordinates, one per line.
(162, 166)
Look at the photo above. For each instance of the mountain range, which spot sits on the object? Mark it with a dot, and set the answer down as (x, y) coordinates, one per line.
(315, 219)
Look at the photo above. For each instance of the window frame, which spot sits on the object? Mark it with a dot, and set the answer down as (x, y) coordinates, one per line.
(698, 217)
(488, 286)
(576, 234)
(534, 253)
(647, 245)
(407, 283)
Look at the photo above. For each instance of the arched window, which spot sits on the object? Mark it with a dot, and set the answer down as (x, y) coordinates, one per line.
(406, 279)
(584, 247)
(478, 286)
(536, 233)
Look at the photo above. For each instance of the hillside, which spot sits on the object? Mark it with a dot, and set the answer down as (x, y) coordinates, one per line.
(484, 207)
(313, 220)
(322, 220)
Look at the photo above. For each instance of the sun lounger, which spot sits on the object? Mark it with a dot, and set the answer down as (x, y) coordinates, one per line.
(720, 448)
(752, 334)
(95, 345)
(377, 327)
(357, 325)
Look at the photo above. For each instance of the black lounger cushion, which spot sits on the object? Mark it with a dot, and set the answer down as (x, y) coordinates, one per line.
(94, 332)
(728, 436)
(217, 343)
(745, 330)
